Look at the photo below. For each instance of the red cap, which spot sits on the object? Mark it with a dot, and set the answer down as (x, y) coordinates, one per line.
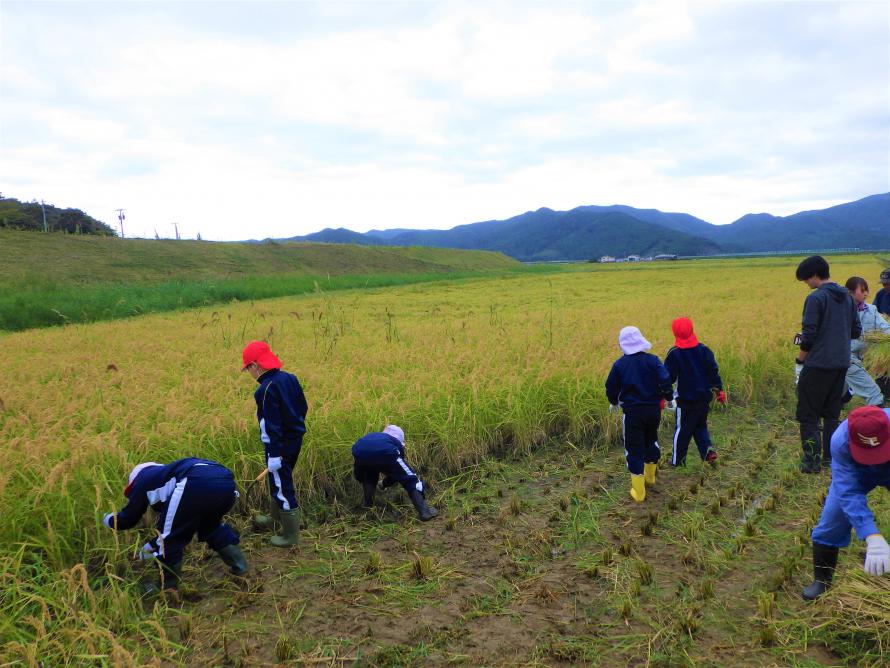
(684, 337)
(259, 352)
(869, 429)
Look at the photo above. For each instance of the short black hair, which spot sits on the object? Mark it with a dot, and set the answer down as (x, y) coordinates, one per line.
(815, 265)
(854, 282)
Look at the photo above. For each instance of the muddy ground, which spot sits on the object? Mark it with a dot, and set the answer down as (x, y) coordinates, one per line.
(540, 561)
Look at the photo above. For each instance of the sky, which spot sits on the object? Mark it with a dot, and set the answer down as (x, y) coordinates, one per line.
(241, 120)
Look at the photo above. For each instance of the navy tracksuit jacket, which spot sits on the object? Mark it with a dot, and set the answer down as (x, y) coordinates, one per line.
(377, 453)
(638, 383)
(189, 496)
(697, 376)
(281, 412)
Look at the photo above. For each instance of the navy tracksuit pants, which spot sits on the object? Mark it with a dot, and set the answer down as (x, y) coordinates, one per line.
(281, 482)
(368, 469)
(197, 506)
(692, 422)
(640, 427)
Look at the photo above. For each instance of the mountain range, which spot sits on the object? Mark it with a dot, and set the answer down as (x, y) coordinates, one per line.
(588, 232)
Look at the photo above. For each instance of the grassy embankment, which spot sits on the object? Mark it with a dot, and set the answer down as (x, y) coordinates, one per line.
(54, 279)
(479, 373)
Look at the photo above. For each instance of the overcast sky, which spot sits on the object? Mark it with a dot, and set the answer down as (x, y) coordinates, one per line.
(256, 119)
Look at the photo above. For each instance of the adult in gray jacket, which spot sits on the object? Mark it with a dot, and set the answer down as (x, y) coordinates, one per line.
(829, 323)
(859, 381)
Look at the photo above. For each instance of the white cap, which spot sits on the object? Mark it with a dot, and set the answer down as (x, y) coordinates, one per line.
(396, 432)
(632, 341)
(138, 469)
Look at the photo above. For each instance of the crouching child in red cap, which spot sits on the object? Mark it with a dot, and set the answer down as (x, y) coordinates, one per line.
(384, 453)
(281, 412)
(693, 367)
(640, 384)
(860, 461)
(188, 496)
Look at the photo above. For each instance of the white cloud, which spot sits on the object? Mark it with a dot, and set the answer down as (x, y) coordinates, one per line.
(276, 120)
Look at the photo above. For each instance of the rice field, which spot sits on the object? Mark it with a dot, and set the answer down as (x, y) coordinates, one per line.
(476, 371)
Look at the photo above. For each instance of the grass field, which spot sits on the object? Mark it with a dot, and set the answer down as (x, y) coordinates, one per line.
(539, 559)
(57, 279)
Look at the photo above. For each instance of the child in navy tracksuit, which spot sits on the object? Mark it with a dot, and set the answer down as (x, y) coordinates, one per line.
(384, 453)
(188, 496)
(692, 366)
(639, 382)
(281, 412)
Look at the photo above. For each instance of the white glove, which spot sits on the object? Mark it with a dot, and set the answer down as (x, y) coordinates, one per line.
(798, 367)
(671, 405)
(273, 463)
(146, 552)
(877, 556)
(108, 519)
(613, 408)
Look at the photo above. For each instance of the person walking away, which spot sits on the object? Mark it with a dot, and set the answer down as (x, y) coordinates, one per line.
(829, 323)
(859, 382)
(189, 496)
(640, 385)
(860, 462)
(281, 412)
(693, 367)
(384, 453)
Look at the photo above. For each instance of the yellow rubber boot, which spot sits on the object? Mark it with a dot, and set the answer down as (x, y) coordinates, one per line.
(649, 473)
(637, 488)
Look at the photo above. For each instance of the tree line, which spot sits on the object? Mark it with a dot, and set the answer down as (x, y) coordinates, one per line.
(18, 215)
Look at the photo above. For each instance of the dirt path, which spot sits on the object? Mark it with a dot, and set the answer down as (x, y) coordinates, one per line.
(542, 561)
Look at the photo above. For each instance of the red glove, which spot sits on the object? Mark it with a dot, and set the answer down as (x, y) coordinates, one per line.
(662, 404)
(721, 397)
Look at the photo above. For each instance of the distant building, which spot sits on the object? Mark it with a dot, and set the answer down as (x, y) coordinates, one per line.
(665, 256)
(607, 258)
(633, 258)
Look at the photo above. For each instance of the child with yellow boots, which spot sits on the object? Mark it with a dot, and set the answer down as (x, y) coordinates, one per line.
(640, 385)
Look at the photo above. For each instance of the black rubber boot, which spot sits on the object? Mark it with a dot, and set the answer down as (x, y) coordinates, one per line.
(811, 457)
(368, 489)
(828, 429)
(824, 563)
(424, 512)
(234, 559)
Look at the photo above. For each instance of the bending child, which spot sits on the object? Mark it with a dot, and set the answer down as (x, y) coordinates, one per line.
(384, 453)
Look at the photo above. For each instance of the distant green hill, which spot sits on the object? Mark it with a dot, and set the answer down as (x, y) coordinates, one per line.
(588, 232)
(48, 279)
(16, 215)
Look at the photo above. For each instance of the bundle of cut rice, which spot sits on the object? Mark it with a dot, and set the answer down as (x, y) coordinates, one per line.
(858, 614)
(877, 355)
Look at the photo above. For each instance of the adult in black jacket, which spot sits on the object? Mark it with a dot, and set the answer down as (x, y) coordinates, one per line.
(829, 323)
(281, 412)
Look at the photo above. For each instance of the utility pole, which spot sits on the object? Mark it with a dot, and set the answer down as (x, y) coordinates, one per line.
(43, 208)
(121, 217)
(176, 227)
